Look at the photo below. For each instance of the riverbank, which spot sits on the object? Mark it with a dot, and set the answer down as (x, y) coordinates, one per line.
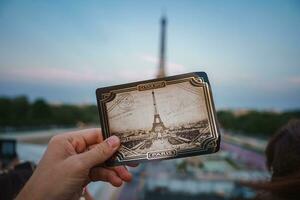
(38, 136)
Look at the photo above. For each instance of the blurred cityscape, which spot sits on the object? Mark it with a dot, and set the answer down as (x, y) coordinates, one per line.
(217, 176)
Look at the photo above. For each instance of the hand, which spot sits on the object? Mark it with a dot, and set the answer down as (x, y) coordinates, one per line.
(68, 165)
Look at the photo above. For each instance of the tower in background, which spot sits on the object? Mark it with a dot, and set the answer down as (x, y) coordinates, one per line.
(162, 52)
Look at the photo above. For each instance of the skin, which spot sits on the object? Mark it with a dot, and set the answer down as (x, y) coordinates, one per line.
(68, 165)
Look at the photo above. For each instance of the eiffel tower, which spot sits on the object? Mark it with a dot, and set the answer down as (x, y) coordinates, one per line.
(162, 54)
(157, 125)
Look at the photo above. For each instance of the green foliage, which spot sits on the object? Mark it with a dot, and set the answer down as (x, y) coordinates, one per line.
(6, 112)
(20, 113)
(254, 122)
(41, 113)
(14, 111)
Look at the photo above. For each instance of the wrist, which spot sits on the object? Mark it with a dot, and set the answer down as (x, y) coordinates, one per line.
(35, 189)
(29, 192)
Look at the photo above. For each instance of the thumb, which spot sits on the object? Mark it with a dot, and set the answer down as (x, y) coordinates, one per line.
(101, 152)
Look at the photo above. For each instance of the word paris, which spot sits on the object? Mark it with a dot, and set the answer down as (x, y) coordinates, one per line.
(157, 119)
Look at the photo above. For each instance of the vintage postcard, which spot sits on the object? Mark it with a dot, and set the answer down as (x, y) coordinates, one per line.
(163, 118)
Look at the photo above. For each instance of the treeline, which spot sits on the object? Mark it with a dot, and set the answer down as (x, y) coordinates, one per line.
(256, 122)
(20, 113)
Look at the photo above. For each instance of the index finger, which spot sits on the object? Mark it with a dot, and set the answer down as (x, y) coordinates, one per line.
(90, 136)
(84, 138)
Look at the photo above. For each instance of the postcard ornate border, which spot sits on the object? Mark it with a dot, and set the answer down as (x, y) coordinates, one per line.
(210, 145)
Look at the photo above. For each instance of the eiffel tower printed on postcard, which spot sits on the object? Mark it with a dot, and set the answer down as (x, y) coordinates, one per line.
(163, 118)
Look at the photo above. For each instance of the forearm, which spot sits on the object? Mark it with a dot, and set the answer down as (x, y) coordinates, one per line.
(30, 191)
(37, 187)
(49, 184)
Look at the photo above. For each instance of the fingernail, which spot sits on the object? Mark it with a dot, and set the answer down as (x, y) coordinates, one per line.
(113, 141)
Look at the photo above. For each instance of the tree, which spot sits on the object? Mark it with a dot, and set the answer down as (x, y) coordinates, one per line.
(5, 111)
(20, 111)
(41, 112)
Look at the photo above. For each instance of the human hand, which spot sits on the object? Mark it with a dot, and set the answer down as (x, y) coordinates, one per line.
(68, 165)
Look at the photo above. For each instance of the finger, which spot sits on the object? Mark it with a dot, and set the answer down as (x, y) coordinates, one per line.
(103, 174)
(101, 152)
(91, 146)
(130, 165)
(81, 140)
(123, 173)
(91, 136)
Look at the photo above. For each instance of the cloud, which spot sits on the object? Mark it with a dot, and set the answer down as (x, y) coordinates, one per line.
(89, 75)
(61, 76)
(171, 67)
(53, 75)
(294, 80)
(136, 75)
(86, 75)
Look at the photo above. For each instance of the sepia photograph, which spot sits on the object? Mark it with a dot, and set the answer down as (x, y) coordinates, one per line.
(165, 119)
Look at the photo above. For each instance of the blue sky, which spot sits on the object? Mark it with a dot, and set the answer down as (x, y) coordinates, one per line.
(63, 50)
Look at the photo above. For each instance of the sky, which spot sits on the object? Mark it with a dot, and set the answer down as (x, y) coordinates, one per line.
(63, 50)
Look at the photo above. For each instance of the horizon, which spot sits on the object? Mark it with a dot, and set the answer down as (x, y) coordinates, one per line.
(241, 110)
(62, 51)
